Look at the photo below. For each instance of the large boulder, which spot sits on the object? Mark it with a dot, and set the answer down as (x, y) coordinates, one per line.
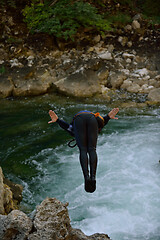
(52, 216)
(16, 225)
(33, 86)
(116, 79)
(6, 87)
(134, 88)
(83, 83)
(52, 222)
(154, 95)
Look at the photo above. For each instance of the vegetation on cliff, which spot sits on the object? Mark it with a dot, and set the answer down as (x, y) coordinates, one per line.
(64, 18)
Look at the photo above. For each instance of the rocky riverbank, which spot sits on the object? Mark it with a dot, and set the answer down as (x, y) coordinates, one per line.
(50, 222)
(123, 67)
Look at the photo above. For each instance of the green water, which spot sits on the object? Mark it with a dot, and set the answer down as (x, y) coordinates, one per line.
(126, 204)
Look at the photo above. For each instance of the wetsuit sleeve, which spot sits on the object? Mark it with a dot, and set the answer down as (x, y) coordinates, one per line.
(66, 126)
(100, 126)
(106, 119)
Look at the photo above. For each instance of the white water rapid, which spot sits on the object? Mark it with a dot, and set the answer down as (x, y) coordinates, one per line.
(126, 204)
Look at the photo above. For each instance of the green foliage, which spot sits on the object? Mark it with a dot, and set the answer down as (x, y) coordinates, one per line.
(149, 7)
(2, 70)
(119, 19)
(150, 10)
(64, 18)
(10, 3)
(153, 21)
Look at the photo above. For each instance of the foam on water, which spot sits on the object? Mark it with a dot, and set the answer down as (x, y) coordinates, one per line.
(126, 204)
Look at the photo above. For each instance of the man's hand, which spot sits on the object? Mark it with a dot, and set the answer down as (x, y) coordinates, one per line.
(53, 116)
(113, 113)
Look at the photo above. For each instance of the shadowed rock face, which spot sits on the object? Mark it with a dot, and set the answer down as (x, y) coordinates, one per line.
(10, 194)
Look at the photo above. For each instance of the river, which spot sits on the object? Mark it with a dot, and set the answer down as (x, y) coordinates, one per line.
(126, 204)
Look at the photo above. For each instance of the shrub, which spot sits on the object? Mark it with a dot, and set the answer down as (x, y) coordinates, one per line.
(119, 19)
(2, 70)
(149, 7)
(64, 18)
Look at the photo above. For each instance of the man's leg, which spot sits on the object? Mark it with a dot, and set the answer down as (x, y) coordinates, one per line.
(92, 128)
(80, 130)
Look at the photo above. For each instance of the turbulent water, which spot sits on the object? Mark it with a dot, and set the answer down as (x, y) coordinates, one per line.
(126, 204)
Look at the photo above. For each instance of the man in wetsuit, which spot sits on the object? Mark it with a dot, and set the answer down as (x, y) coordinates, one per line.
(85, 128)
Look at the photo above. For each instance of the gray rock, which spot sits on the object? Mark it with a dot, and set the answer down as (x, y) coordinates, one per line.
(135, 24)
(126, 84)
(138, 16)
(154, 82)
(52, 222)
(157, 77)
(97, 39)
(15, 63)
(77, 234)
(116, 79)
(16, 225)
(128, 28)
(129, 44)
(122, 40)
(40, 84)
(83, 83)
(145, 88)
(128, 55)
(154, 95)
(134, 88)
(142, 72)
(3, 55)
(103, 75)
(6, 87)
(106, 55)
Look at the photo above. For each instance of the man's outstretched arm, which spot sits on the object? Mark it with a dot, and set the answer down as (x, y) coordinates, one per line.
(66, 126)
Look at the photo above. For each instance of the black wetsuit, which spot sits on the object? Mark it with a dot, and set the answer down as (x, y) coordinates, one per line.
(85, 129)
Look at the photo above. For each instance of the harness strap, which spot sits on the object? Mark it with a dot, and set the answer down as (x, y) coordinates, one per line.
(69, 144)
(95, 114)
(98, 115)
(81, 113)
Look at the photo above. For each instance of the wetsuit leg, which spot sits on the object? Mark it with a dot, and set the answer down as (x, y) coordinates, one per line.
(86, 133)
(92, 132)
(80, 129)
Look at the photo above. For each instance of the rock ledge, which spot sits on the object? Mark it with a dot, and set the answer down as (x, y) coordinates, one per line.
(50, 222)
